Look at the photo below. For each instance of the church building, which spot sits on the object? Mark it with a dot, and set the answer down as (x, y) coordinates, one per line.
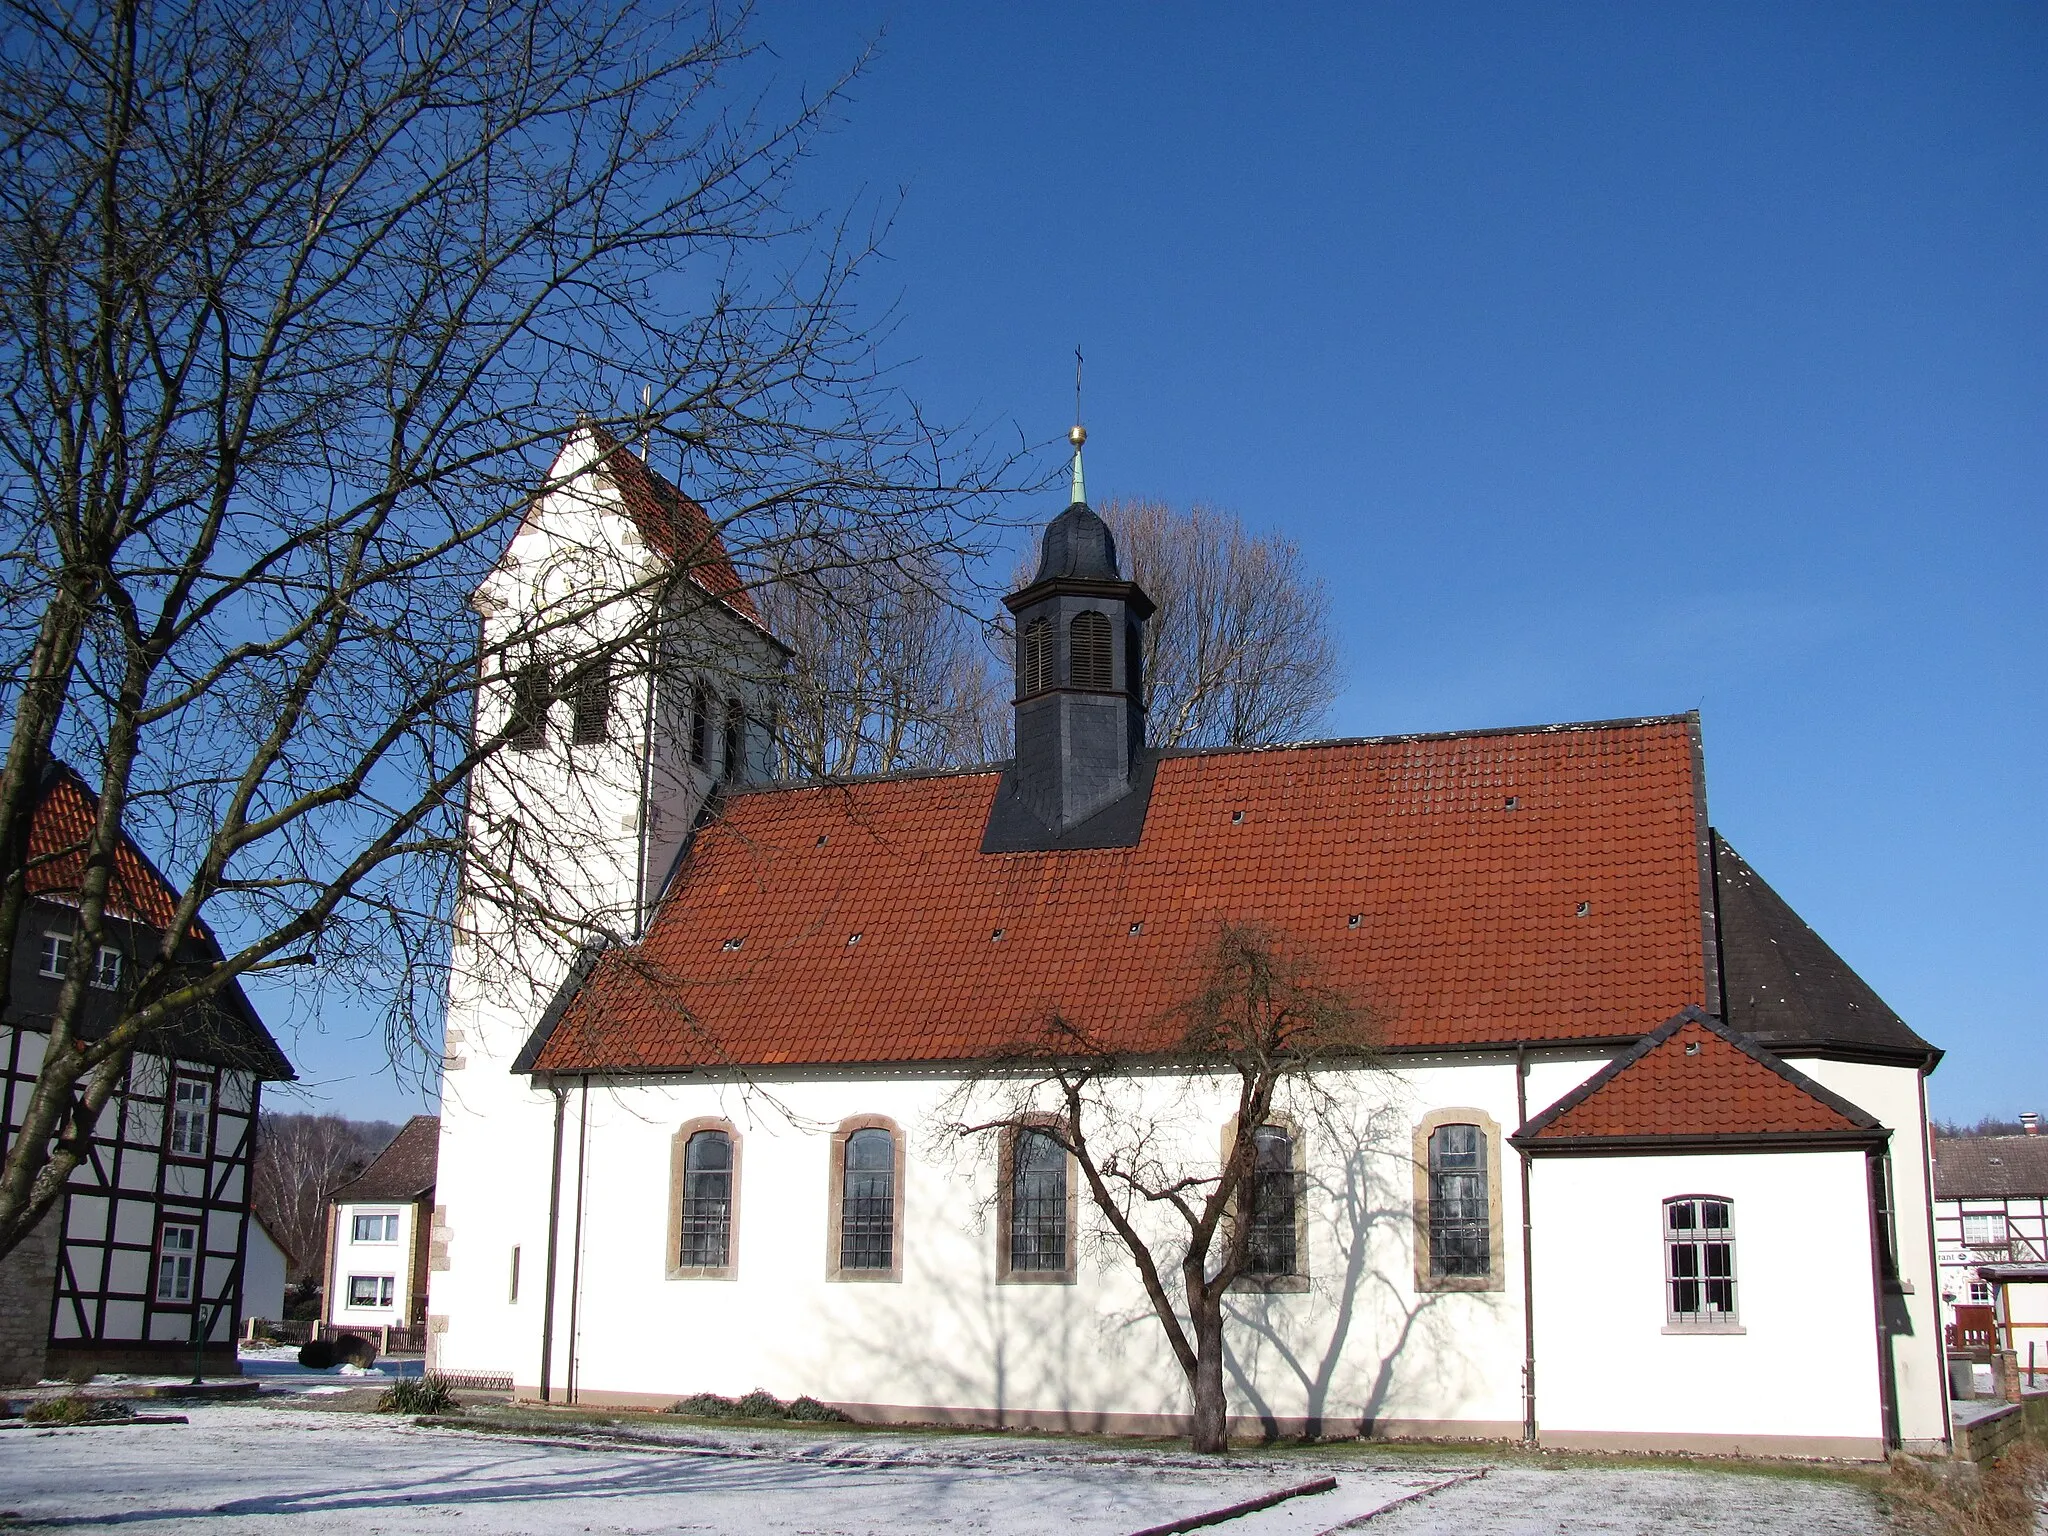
(1640, 1162)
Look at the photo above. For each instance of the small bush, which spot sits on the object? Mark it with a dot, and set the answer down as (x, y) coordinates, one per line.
(808, 1410)
(419, 1394)
(354, 1349)
(758, 1405)
(705, 1405)
(77, 1408)
(316, 1354)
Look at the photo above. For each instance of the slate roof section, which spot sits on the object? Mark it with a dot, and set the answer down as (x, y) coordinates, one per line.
(866, 916)
(1990, 1167)
(1785, 987)
(674, 525)
(403, 1171)
(224, 1030)
(1694, 1081)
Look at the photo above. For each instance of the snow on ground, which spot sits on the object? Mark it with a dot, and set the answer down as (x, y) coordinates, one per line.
(267, 1469)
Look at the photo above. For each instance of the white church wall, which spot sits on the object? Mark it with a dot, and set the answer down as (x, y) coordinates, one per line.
(1361, 1343)
(1892, 1095)
(1800, 1376)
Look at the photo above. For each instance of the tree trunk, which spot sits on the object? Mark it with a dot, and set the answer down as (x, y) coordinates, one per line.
(1212, 1426)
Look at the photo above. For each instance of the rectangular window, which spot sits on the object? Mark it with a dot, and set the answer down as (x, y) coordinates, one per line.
(1980, 1291)
(370, 1290)
(529, 722)
(176, 1258)
(1699, 1259)
(1270, 1246)
(56, 955)
(513, 1296)
(191, 1103)
(376, 1227)
(1460, 1220)
(106, 971)
(1038, 1204)
(593, 704)
(1984, 1231)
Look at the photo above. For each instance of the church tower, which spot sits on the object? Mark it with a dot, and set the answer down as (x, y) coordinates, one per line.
(1080, 711)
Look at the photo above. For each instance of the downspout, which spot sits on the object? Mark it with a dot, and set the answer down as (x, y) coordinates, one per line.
(576, 1245)
(1528, 1254)
(1887, 1398)
(547, 1305)
(1948, 1429)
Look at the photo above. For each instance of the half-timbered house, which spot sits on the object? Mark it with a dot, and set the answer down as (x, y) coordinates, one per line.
(140, 1267)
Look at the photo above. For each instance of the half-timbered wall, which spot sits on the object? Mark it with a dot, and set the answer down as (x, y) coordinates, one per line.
(1993, 1229)
(155, 1221)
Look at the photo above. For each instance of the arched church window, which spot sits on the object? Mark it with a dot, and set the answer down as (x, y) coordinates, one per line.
(867, 1210)
(735, 741)
(1089, 651)
(1271, 1246)
(700, 725)
(1034, 658)
(707, 1201)
(1460, 1235)
(1037, 1201)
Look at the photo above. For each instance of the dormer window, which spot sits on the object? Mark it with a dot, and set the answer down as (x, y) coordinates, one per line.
(1088, 651)
(1034, 658)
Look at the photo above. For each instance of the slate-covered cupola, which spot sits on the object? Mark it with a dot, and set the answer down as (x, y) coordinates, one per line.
(1080, 723)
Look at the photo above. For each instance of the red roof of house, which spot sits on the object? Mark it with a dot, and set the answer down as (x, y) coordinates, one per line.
(1539, 884)
(57, 840)
(674, 525)
(1695, 1079)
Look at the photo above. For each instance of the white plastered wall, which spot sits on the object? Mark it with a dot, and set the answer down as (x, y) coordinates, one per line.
(1893, 1097)
(1802, 1374)
(374, 1257)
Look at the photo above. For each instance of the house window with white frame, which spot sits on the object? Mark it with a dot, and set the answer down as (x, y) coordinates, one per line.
(371, 1290)
(1985, 1230)
(106, 970)
(374, 1227)
(1699, 1261)
(191, 1116)
(1980, 1292)
(56, 956)
(177, 1258)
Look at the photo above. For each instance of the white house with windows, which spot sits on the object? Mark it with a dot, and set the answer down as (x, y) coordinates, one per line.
(142, 1265)
(380, 1227)
(1635, 1140)
(1991, 1233)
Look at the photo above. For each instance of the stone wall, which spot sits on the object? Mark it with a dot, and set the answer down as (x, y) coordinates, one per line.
(28, 1280)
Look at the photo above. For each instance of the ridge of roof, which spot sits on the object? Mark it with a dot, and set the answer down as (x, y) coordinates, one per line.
(1310, 744)
(1784, 985)
(404, 1170)
(1761, 1110)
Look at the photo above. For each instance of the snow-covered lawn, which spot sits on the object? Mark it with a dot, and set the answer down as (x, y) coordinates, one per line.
(264, 1468)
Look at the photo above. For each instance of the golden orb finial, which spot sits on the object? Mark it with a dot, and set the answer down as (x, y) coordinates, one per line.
(1077, 434)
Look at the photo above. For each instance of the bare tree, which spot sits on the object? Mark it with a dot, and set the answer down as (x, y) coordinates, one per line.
(1138, 1117)
(889, 671)
(1239, 653)
(300, 1161)
(296, 303)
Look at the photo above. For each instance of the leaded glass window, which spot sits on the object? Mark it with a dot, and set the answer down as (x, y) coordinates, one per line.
(707, 1201)
(1038, 1204)
(1460, 1233)
(1270, 1244)
(867, 1201)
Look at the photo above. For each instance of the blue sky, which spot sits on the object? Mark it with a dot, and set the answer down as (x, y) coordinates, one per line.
(1605, 360)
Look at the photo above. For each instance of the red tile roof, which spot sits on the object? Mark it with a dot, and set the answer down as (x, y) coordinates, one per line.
(866, 917)
(57, 841)
(674, 525)
(405, 1170)
(1695, 1079)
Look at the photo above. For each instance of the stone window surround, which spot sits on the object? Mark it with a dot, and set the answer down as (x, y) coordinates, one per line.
(1496, 1277)
(836, 1194)
(678, 1148)
(1005, 1164)
(1298, 1282)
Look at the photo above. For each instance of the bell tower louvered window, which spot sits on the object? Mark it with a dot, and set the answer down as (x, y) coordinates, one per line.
(1034, 658)
(1088, 646)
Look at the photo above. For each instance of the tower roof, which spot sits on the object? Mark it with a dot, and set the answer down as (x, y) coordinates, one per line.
(1077, 545)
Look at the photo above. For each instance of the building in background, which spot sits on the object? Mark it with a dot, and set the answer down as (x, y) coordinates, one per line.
(141, 1267)
(265, 1268)
(1991, 1230)
(379, 1232)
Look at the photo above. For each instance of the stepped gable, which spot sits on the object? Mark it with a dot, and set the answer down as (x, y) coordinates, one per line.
(674, 525)
(1539, 884)
(226, 1029)
(1694, 1080)
(404, 1170)
(1785, 988)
